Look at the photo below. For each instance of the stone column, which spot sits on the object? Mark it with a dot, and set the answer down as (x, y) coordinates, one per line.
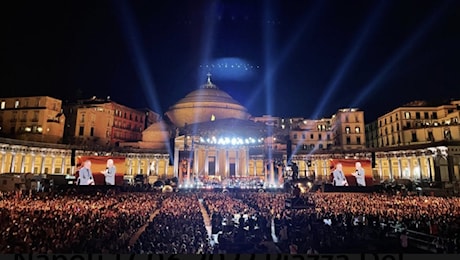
(32, 163)
(138, 165)
(399, 167)
(3, 153)
(390, 168)
(419, 162)
(316, 168)
(23, 160)
(254, 167)
(227, 164)
(189, 174)
(42, 164)
(237, 163)
(63, 164)
(130, 172)
(217, 163)
(246, 162)
(409, 161)
(53, 160)
(428, 166)
(195, 161)
(380, 168)
(206, 162)
(324, 169)
(266, 179)
(272, 172)
(13, 161)
(176, 162)
(157, 166)
(166, 167)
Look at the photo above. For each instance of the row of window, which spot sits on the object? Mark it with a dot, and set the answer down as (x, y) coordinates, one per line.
(408, 115)
(320, 146)
(348, 140)
(329, 145)
(34, 129)
(348, 120)
(26, 104)
(348, 130)
(117, 113)
(312, 136)
(116, 134)
(129, 116)
(128, 126)
(419, 124)
(414, 138)
(328, 136)
(313, 146)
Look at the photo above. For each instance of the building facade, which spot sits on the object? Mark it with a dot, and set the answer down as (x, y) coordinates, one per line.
(418, 123)
(103, 122)
(37, 118)
(344, 130)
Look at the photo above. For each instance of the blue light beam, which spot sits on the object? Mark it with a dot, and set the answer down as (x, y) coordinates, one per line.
(207, 39)
(272, 67)
(409, 44)
(350, 57)
(133, 40)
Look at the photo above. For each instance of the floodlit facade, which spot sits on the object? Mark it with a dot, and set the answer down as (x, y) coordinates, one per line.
(417, 141)
(36, 118)
(103, 122)
(418, 123)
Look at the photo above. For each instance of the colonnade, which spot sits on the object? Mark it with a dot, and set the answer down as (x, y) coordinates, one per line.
(430, 163)
(38, 160)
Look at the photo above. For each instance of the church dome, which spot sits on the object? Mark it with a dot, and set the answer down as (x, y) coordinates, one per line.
(205, 104)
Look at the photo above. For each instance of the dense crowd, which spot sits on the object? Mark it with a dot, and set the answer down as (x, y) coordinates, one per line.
(94, 223)
(178, 228)
(244, 222)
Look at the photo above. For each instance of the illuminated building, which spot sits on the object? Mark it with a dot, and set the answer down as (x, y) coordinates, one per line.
(419, 123)
(418, 141)
(348, 127)
(104, 122)
(37, 118)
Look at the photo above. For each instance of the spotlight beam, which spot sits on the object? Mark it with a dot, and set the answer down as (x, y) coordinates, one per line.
(133, 41)
(358, 42)
(400, 54)
(207, 40)
(272, 67)
(268, 58)
(350, 57)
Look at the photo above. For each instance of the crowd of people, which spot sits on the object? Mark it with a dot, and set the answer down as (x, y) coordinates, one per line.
(75, 223)
(244, 222)
(178, 228)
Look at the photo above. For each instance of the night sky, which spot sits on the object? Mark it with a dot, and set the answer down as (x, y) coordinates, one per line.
(284, 58)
